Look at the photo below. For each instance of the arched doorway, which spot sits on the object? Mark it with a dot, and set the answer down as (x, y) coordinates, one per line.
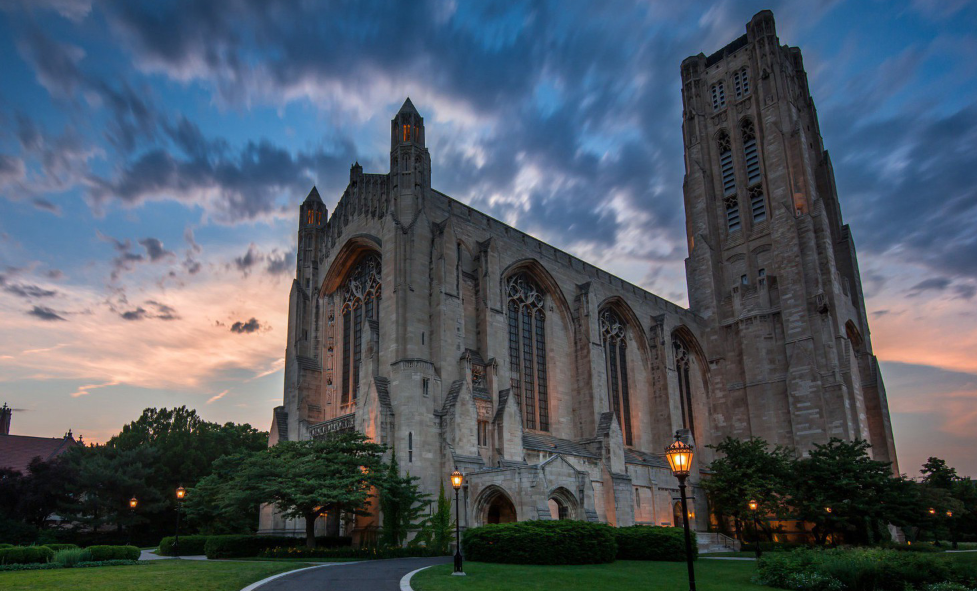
(493, 505)
(558, 509)
(562, 504)
(500, 510)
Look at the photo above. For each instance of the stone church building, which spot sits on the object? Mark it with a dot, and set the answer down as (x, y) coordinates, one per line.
(464, 343)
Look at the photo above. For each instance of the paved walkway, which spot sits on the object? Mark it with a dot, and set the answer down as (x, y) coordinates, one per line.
(150, 555)
(372, 575)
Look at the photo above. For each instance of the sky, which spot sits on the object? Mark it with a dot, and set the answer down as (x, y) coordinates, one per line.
(153, 156)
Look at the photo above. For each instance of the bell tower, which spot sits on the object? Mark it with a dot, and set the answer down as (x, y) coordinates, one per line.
(771, 263)
(410, 164)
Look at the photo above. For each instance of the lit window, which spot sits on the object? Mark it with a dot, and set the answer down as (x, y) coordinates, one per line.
(718, 96)
(527, 350)
(406, 133)
(361, 303)
(613, 337)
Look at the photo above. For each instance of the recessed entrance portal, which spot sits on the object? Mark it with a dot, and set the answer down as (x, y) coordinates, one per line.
(558, 509)
(500, 510)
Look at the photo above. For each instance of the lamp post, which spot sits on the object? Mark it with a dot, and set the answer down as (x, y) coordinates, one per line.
(953, 531)
(180, 493)
(754, 506)
(132, 515)
(679, 456)
(456, 480)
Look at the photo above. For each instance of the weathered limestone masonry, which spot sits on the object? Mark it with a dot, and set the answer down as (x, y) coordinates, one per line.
(461, 342)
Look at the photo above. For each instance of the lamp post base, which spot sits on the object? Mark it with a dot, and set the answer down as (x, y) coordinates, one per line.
(458, 574)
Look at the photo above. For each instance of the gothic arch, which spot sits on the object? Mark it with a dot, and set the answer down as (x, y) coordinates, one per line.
(538, 272)
(624, 309)
(854, 335)
(351, 252)
(494, 505)
(566, 504)
(692, 370)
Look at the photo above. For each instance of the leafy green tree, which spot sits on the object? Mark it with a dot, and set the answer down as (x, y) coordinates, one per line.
(441, 525)
(401, 504)
(43, 489)
(206, 509)
(936, 473)
(748, 469)
(842, 491)
(306, 479)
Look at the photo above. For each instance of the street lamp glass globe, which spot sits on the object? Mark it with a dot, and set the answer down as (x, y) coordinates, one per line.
(753, 505)
(180, 493)
(133, 502)
(456, 479)
(679, 456)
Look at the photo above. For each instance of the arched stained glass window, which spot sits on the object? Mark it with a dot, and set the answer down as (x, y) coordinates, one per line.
(361, 303)
(527, 350)
(614, 338)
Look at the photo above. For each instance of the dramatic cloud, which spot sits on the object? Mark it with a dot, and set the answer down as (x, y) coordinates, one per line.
(44, 313)
(246, 327)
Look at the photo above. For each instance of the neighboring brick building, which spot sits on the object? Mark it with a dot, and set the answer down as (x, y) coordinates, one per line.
(553, 385)
(18, 451)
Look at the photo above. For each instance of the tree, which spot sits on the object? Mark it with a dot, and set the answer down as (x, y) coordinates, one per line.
(841, 490)
(205, 506)
(401, 504)
(936, 473)
(748, 470)
(307, 479)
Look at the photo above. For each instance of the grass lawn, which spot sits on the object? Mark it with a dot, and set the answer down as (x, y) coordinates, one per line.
(159, 575)
(710, 575)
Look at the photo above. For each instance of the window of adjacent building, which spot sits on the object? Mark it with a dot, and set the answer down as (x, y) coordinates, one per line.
(527, 350)
(361, 303)
(483, 427)
(730, 201)
(614, 338)
(741, 82)
(718, 96)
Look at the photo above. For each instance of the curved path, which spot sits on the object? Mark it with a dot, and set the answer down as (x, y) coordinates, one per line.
(372, 575)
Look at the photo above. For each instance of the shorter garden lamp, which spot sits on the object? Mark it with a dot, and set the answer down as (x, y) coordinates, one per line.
(180, 494)
(827, 509)
(953, 531)
(932, 511)
(754, 506)
(456, 481)
(132, 511)
(679, 456)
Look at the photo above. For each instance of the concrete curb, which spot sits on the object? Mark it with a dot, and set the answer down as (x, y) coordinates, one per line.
(257, 584)
(404, 581)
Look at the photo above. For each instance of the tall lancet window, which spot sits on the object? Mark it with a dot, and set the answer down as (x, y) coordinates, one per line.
(527, 350)
(730, 201)
(361, 303)
(614, 338)
(751, 156)
(682, 370)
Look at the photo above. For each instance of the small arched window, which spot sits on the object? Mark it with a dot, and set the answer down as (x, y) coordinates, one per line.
(614, 339)
(527, 350)
(718, 96)
(730, 202)
(361, 303)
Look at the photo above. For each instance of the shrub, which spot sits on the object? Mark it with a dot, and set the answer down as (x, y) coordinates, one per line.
(189, 545)
(774, 546)
(245, 546)
(59, 547)
(541, 542)
(364, 553)
(947, 587)
(71, 556)
(26, 555)
(5, 546)
(101, 553)
(641, 542)
(813, 581)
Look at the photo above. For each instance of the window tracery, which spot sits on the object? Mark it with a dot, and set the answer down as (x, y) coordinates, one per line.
(730, 201)
(758, 205)
(683, 360)
(614, 338)
(527, 350)
(361, 303)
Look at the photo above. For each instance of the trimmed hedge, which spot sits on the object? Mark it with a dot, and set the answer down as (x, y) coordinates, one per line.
(102, 553)
(861, 569)
(541, 542)
(26, 555)
(189, 545)
(5, 546)
(774, 546)
(58, 547)
(364, 553)
(55, 565)
(244, 546)
(642, 542)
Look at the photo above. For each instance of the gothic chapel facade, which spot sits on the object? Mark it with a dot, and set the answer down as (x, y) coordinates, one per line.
(463, 343)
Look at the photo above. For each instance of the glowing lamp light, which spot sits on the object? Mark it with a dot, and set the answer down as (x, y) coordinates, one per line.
(133, 502)
(932, 511)
(949, 513)
(456, 479)
(180, 493)
(754, 505)
(679, 456)
(828, 509)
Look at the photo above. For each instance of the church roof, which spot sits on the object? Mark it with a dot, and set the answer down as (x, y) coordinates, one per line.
(313, 196)
(408, 107)
(635, 456)
(17, 451)
(552, 444)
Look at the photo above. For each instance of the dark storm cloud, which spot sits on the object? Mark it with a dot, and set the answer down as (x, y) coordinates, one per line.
(44, 313)
(154, 249)
(246, 327)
